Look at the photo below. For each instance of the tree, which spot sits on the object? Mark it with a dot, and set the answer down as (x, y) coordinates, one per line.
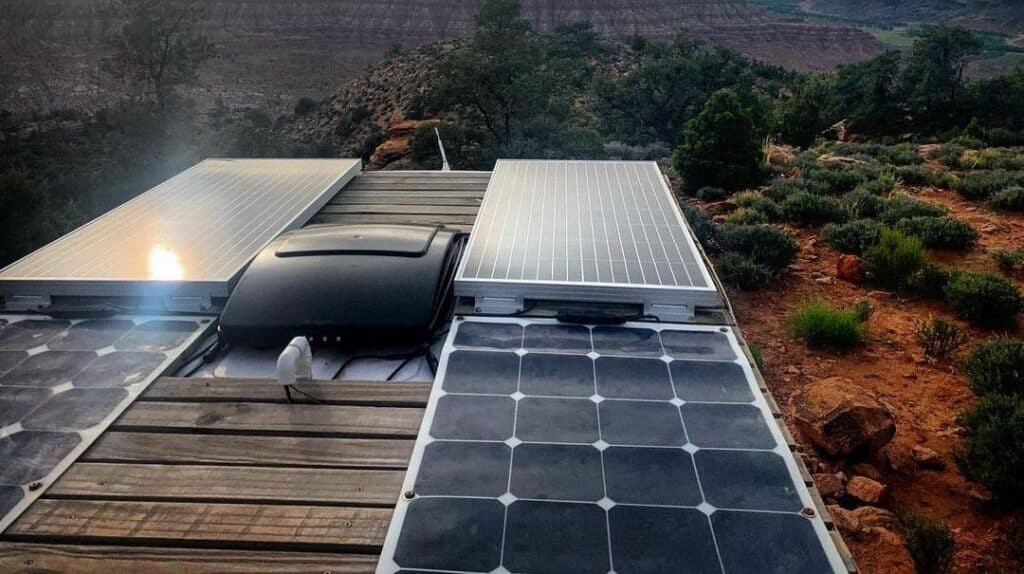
(870, 96)
(810, 110)
(158, 46)
(934, 78)
(721, 147)
(498, 77)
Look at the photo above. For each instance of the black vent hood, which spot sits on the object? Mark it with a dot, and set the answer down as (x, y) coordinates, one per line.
(351, 283)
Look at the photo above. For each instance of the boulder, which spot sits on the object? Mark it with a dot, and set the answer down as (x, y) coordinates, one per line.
(927, 457)
(829, 485)
(844, 520)
(407, 128)
(850, 268)
(865, 490)
(781, 155)
(723, 207)
(841, 418)
(874, 517)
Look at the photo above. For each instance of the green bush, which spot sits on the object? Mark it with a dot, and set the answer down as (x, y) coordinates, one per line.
(822, 325)
(306, 106)
(810, 209)
(916, 175)
(746, 216)
(839, 179)
(940, 232)
(939, 337)
(742, 272)
(1009, 199)
(984, 299)
(863, 204)
(930, 282)
(780, 189)
(756, 201)
(993, 452)
(854, 237)
(765, 245)
(701, 222)
(1008, 262)
(996, 367)
(721, 145)
(901, 206)
(929, 542)
(711, 193)
(896, 260)
(982, 185)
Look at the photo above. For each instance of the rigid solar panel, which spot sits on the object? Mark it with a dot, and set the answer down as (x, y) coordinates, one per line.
(607, 231)
(63, 382)
(549, 447)
(190, 235)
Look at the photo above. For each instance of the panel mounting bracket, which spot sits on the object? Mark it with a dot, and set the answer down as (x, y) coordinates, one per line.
(499, 305)
(27, 302)
(672, 313)
(187, 304)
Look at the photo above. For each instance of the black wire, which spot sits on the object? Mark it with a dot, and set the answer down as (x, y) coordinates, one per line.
(301, 392)
(400, 367)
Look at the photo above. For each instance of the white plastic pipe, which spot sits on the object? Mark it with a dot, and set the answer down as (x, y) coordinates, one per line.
(295, 362)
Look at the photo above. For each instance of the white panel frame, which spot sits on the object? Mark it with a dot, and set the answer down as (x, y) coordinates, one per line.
(387, 565)
(40, 287)
(514, 291)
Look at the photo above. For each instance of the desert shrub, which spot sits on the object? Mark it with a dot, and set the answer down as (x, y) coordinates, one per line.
(1008, 262)
(984, 299)
(765, 245)
(915, 175)
(756, 201)
(993, 451)
(929, 542)
(939, 337)
(940, 232)
(1009, 199)
(996, 367)
(780, 189)
(821, 325)
(810, 209)
(864, 204)
(305, 106)
(982, 185)
(711, 193)
(947, 180)
(839, 179)
(901, 206)
(895, 260)
(742, 272)
(758, 355)
(701, 222)
(930, 282)
(746, 216)
(863, 310)
(854, 237)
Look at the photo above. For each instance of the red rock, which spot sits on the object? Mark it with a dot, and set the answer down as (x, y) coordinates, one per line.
(829, 485)
(841, 418)
(844, 520)
(874, 517)
(406, 128)
(927, 457)
(721, 207)
(850, 268)
(863, 489)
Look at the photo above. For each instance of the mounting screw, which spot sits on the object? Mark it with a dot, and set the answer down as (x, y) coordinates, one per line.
(35, 486)
(409, 495)
(723, 329)
(808, 511)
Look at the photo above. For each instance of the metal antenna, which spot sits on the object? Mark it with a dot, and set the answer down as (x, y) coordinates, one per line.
(444, 157)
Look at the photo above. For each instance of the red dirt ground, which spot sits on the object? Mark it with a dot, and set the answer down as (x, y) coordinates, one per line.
(924, 395)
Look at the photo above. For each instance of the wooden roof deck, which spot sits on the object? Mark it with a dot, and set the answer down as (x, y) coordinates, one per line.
(203, 475)
(449, 198)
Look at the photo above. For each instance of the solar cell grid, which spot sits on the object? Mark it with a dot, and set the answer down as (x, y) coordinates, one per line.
(614, 471)
(62, 382)
(584, 224)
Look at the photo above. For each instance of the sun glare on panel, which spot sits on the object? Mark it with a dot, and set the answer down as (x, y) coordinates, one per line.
(164, 265)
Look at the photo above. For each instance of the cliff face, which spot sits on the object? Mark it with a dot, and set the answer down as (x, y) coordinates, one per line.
(1002, 16)
(272, 52)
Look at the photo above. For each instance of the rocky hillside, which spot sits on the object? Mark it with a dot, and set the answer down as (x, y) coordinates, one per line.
(270, 53)
(1001, 16)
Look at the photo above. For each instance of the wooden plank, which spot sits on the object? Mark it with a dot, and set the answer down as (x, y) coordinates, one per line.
(268, 418)
(414, 186)
(437, 201)
(276, 527)
(368, 393)
(171, 448)
(61, 558)
(251, 484)
(407, 218)
(387, 208)
(392, 193)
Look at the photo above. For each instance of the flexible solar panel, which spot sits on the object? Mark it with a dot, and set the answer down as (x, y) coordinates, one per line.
(606, 231)
(549, 447)
(63, 382)
(190, 235)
